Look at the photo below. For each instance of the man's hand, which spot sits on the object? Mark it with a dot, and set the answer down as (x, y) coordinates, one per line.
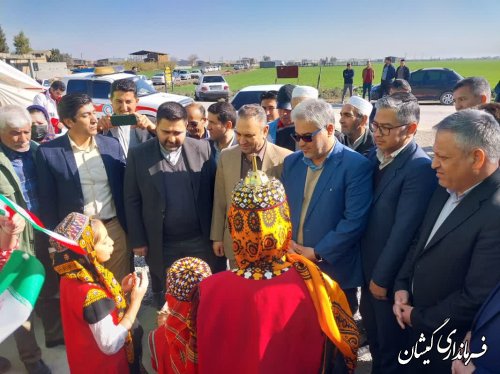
(143, 122)
(307, 252)
(104, 123)
(458, 367)
(406, 314)
(379, 293)
(218, 248)
(401, 298)
(140, 251)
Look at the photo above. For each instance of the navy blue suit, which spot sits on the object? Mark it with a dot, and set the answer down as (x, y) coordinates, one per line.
(60, 191)
(487, 324)
(337, 213)
(400, 201)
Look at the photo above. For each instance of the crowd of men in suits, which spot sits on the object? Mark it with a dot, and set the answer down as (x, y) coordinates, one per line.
(420, 237)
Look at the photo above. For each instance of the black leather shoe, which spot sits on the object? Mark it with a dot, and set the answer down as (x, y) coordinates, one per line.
(5, 365)
(38, 367)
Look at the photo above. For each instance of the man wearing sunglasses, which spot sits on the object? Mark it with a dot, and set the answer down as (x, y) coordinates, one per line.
(329, 189)
(403, 184)
(197, 121)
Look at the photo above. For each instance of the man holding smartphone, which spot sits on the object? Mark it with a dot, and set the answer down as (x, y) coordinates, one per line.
(124, 102)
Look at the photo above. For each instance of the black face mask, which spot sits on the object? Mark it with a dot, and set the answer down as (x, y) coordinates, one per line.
(38, 132)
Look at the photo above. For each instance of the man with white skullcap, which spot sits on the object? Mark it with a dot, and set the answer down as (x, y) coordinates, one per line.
(301, 93)
(354, 118)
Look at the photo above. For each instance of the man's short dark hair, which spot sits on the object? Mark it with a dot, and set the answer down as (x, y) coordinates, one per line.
(171, 111)
(71, 104)
(124, 85)
(269, 95)
(58, 85)
(224, 111)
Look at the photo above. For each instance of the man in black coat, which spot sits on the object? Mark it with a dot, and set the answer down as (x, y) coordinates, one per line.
(354, 120)
(455, 260)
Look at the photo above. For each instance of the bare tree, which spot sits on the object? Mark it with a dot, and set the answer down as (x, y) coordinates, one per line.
(192, 59)
(266, 58)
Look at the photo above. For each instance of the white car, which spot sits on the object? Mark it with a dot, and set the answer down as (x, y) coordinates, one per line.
(98, 87)
(196, 74)
(251, 94)
(211, 87)
(184, 75)
(158, 78)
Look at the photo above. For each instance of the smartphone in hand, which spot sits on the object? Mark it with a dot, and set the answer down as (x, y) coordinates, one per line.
(123, 120)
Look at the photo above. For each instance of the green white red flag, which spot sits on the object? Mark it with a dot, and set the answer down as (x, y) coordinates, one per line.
(22, 277)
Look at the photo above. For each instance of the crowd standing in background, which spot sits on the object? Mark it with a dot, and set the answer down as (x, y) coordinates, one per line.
(259, 227)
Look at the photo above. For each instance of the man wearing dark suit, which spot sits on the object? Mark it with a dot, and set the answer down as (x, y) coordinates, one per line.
(354, 120)
(403, 183)
(83, 172)
(221, 121)
(169, 184)
(455, 260)
(486, 324)
(329, 189)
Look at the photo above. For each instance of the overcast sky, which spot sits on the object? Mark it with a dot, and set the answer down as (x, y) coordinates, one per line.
(286, 29)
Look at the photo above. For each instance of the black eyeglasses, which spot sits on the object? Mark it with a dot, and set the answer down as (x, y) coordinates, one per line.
(384, 131)
(306, 137)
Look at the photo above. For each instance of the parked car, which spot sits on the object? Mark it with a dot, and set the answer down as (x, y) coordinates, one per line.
(98, 85)
(429, 84)
(184, 75)
(158, 78)
(238, 66)
(251, 94)
(211, 87)
(196, 74)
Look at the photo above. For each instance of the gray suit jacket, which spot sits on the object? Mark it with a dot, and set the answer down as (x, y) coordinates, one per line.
(145, 194)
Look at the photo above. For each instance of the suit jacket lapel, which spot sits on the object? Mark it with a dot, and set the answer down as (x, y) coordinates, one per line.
(233, 169)
(157, 169)
(329, 168)
(106, 157)
(67, 153)
(295, 192)
(393, 168)
(192, 160)
(270, 158)
(467, 207)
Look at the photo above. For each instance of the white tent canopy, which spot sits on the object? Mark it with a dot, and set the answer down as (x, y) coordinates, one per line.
(16, 87)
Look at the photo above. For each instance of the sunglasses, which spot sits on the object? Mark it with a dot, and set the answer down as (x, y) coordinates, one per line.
(308, 138)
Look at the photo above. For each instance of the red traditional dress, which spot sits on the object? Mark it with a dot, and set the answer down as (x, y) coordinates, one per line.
(84, 355)
(89, 294)
(276, 313)
(171, 344)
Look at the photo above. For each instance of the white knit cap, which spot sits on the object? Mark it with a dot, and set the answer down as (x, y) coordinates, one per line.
(305, 91)
(363, 106)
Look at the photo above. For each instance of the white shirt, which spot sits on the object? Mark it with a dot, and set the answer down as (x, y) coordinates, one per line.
(109, 337)
(171, 156)
(386, 160)
(97, 196)
(44, 99)
(448, 207)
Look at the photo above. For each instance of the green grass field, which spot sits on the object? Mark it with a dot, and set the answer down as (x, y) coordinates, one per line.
(331, 76)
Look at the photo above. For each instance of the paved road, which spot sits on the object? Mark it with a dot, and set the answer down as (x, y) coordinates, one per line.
(56, 357)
